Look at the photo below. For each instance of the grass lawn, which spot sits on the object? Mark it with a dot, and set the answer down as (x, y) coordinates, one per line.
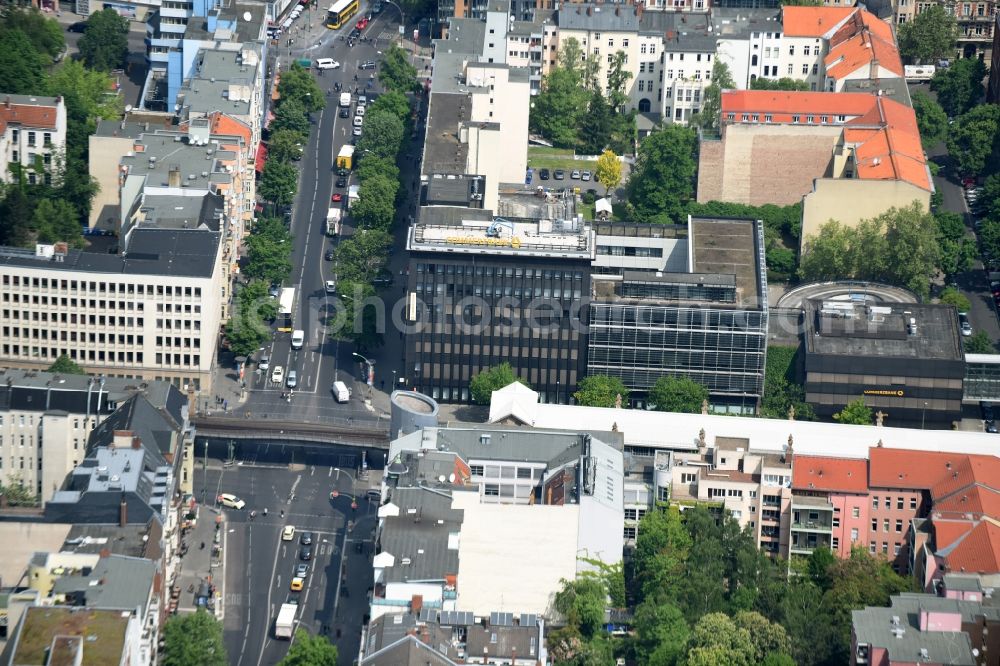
(541, 157)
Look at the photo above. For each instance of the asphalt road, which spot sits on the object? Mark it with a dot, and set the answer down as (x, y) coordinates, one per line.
(323, 360)
(260, 566)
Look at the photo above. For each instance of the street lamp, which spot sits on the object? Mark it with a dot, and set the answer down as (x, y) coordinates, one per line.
(370, 378)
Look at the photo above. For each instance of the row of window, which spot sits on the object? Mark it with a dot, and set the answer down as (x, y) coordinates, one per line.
(491, 271)
(32, 137)
(768, 118)
(94, 304)
(129, 288)
(888, 503)
(85, 355)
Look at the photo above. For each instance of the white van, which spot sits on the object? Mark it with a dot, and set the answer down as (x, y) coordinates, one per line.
(340, 392)
(298, 338)
(345, 99)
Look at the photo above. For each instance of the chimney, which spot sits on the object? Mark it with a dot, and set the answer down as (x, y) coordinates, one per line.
(416, 603)
(136, 443)
(618, 11)
(639, 8)
(590, 11)
(123, 513)
(873, 72)
(105, 553)
(174, 177)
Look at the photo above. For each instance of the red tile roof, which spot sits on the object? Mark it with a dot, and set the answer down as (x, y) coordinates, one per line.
(27, 115)
(947, 532)
(968, 470)
(812, 21)
(843, 475)
(978, 551)
(782, 105)
(971, 501)
(906, 469)
(861, 42)
(887, 144)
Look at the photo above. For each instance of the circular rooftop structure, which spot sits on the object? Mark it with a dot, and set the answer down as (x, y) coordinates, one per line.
(410, 411)
(845, 290)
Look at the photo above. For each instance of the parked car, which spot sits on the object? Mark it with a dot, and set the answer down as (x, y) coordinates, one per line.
(543, 174)
(990, 426)
(356, 131)
(358, 121)
(341, 182)
(559, 174)
(362, 100)
(337, 197)
(344, 112)
(987, 410)
(331, 287)
(964, 325)
(328, 255)
(586, 175)
(575, 175)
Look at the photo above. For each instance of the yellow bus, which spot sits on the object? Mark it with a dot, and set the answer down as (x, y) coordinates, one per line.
(340, 13)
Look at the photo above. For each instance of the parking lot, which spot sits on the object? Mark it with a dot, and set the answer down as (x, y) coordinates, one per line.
(260, 565)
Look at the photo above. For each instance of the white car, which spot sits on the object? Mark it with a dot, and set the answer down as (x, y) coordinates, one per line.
(278, 374)
(231, 501)
(326, 63)
(331, 287)
(360, 111)
(357, 131)
(358, 121)
(288, 533)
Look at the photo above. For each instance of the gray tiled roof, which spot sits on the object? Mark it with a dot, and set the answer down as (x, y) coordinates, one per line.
(420, 534)
(875, 627)
(115, 582)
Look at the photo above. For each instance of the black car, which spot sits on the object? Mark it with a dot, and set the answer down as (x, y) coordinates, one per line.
(338, 86)
(383, 280)
(376, 7)
(306, 538)
(79, 26)
(306, 553)
(341, 182)
(344, 112)
(543, 174)
(343, 172)
(368, 64)
(990, 426)
(354, 34)
(329, 255)
(987, 409)
(559, 174)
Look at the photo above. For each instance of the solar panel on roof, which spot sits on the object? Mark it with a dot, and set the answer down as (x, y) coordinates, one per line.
(428, 615)
(528, 619)
(501, 619)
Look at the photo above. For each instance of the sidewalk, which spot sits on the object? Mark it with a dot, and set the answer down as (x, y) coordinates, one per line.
(201, 567)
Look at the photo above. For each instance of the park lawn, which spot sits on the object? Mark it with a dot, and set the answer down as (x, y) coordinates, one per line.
(541, 157)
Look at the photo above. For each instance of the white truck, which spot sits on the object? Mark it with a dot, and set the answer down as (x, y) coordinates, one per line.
(284, 626)
(918, 73)
(345, 99)
(333, 222)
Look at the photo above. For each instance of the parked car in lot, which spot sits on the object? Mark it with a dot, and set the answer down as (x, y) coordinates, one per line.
(543, 174)
(586, 175)
(963, 324)
(559, 174)
(575, 175)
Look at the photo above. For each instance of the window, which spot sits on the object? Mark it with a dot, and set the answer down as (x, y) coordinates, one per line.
(805, 50)
(854, 534)
(524, 472)
(888, 502)
(31, 138)
(491, 490)
(795, 119)
(885, 524)
(834, 543)
(836, 521)
(885, 547)
(791, 50)
(856, 512)
(790, 69)
(872, 547)
(913, 503)
(625, 43)
(899, 526)
(476, 470)
(899, 503)
(895, 549)
(47, 138)
(805, 69)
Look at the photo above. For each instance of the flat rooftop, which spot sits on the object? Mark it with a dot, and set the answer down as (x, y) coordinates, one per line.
(101, 633)
(843, 328)
(519, 238)
(731, 247)
(176, 212)
(443, 151)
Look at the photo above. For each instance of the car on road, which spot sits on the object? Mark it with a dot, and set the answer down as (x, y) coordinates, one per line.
(383, 279)
(586, 175)
(337, 197)
(559, 174)
(79, 26)
(278, 374)
(331, 287)
(357, 132)
(328, 255)
(344, 112)
(306, 538)
(376, 6)
(964, 325)
(543, 174)
(343, 172)
(297, 584)
(293, 599)
(306, 553)
(361, 24)
(326, 63)
(265, 362)
(341, 393)
(575, 175)
(368, 64)
(341, 182)
(529, 174)
(362, 100)
(288, 533)
(358, 120)
(231, 501)
(293, 379)
(360, 111)
(302, 570)
(353, 34)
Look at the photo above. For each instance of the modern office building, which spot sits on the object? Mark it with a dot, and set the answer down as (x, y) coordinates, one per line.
(904, 359)
(482, 293)
(691, 303)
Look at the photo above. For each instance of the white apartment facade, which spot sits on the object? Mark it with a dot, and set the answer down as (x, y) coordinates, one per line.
(140, 315)
(26, 434)
(32, 135)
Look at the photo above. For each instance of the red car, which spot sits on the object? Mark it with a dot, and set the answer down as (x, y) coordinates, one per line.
(337, 197)
(362, 24)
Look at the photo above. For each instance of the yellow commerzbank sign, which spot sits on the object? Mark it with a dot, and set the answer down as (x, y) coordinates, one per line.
(473, 240)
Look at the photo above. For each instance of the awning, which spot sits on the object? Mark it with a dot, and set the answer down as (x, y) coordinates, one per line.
(261, 157)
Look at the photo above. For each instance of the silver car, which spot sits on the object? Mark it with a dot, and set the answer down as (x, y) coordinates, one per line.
(293, 379)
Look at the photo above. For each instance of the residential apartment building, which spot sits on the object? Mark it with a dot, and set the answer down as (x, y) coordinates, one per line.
(535, 46)
(32, 136)
(691, 306)
(47, 420)
(154, 311)
(106, 636)
(831, 496)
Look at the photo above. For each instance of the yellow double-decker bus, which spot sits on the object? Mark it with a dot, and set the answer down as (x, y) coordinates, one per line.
(340, 13)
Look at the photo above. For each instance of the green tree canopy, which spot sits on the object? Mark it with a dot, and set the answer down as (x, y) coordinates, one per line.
(959, 87)
(662, 180)
(972, 141)
(661, 633)
(932, 121)
(952, 296)
(782, 392)
(677, 394)
(269, 249)
(22, 67)
(855, 412)
(582, 603)
(255, 300)
(717, 640)
(375, 207)
(193, 639)
(278, 182)
(55, 220)
(929, 36)
(285, 145)
(708, 117)
(299, 85)
(979, 343)
(396, 72)
(557, 109)
(601, 391)
(484, 383)
(64, 365)
(370, 167)
(45, 33)
(291, 115)
(394, 102)
(104, 45)
(360, 257)
(785, 83)
(618, 78)
(357, 318)
(309, 650)
(383, 134)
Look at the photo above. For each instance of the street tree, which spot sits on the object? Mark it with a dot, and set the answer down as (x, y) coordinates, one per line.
(55, 220)
(708, 118)
(959, 87)
(677, 394)
(601, 391)
(298, 84)
(383, 135)
(608, 171)
(309, 650)
(278, 182)
(360, 257)
(931, 35)
(104, 45)
(393, 102)
(357, 318)
(911, 234)
(972, 141)
(493, 379)
(785, 83)
(245, 334)
(396, 72)
(370, 166)
(193, 639)
(64, 365)
(662, 180)
(375, 207)
(45, 34)
(285, 146)
(932, 121)
(979, 343)
(269, 250)
(255, 301)
(22, 67)
(952, 296)
(990, 196)
(291, 115)
(855, 412)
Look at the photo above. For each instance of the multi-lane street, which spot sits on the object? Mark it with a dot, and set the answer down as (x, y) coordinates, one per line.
(260, 565)
(322, 359)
